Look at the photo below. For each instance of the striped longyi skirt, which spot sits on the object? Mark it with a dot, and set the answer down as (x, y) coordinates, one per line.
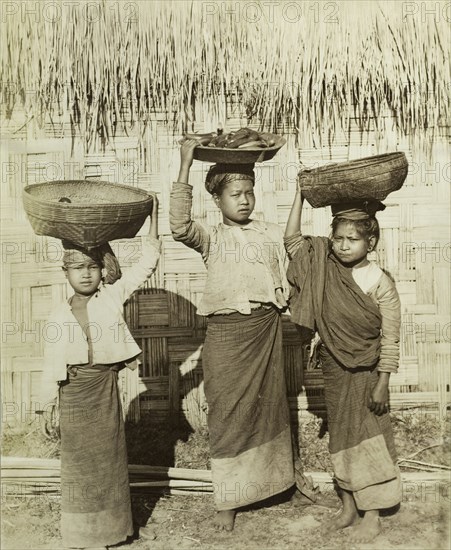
(361, 443)
(95, 506)
(248, 413)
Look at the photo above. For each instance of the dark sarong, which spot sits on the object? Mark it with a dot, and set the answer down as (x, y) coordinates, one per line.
(361, 443)
(95, 489)
(248, 413)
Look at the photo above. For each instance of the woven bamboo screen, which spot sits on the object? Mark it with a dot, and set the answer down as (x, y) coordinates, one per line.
(414, 248)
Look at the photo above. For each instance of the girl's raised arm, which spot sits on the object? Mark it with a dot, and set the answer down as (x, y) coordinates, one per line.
(187, 147)
(153, 228)
(183, 227)
(294, 219)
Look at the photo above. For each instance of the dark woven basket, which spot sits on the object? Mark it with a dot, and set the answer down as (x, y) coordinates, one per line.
(366, 178)
(224, 155)
(99, 211)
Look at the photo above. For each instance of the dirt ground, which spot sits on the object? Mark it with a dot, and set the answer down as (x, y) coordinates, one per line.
(184, 522)
(176, 522)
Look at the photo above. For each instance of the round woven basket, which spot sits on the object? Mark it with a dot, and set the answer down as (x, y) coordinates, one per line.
(367, 178)
(225, 155)
(98, 211)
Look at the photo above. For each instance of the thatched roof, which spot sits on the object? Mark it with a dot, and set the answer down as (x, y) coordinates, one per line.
(304, 66)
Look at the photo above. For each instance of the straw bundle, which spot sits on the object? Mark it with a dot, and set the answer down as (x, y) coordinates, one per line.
(304, 68)
(34, 476)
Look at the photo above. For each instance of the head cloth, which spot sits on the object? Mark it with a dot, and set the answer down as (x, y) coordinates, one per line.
(219, 175)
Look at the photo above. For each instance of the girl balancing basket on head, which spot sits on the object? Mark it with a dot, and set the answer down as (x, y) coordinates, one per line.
(354, 307)
(248, 414)
(82, 367)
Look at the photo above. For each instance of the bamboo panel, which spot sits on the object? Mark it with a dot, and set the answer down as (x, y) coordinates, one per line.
(153, 310)
(163, 315)
(181, 309)
(157, 409)
(129, 387)
(399, 401)
(163, 332)
(182, 350)
(424, 289)
(156, 386)
(174, 392)
(41, 274)
(293, 369)
(406, 292)
(429, 361)
(104, 167)
(14, 127)
(407, 374)
(20, 300)
(6, 377)
(5, 288)
(444, 383)
(40, 311)
(408, 335)
(27, 364)
(181, 260)
(442, 293)
(44, 166)
(432, 328)
(157, 351)
(192, 396)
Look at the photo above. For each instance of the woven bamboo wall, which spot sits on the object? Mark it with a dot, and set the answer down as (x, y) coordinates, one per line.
(414, 248)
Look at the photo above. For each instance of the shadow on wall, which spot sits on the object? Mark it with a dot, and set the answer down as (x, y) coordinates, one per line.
(164, 397)
(168, 397)
(169, 385)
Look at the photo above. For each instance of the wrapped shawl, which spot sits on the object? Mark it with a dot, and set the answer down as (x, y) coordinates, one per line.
(325, 297)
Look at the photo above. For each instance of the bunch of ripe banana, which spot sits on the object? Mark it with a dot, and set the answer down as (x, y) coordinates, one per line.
(244, 138)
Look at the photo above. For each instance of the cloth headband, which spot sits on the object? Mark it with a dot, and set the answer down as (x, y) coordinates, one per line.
(357, 210)
(219, 175)
(102, 255)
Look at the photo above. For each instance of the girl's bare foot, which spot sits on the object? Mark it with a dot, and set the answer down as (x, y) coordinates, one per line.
(224, 520)
(346, 517)
(368, 528)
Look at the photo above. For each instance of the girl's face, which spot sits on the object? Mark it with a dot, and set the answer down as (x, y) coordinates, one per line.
(84, 277)
(350, 247)
(237, 202)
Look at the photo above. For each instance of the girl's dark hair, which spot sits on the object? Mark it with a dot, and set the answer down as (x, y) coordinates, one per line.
(366, 228)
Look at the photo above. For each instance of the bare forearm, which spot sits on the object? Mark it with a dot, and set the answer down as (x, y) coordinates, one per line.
(153, 216)
(153, 227)
(384, 378)
(184, 172)
(294, 219)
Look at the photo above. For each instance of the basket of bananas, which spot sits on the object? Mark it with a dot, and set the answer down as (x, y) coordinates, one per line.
(245, 146)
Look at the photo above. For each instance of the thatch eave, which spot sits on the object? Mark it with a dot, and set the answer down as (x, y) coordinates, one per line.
(307, 77)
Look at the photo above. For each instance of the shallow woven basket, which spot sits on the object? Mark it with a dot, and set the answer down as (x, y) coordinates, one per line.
(99, 211)
(367, 178)
(225, 155)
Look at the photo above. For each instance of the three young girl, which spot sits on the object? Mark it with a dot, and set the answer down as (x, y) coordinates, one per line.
(351, 303)
(355, 308)
(245, 292)
(82, 367)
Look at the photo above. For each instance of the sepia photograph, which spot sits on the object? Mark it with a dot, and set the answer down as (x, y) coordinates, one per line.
(225, 277)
